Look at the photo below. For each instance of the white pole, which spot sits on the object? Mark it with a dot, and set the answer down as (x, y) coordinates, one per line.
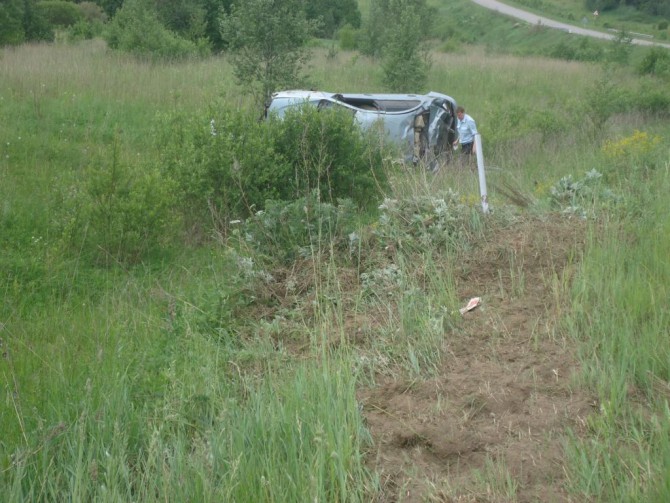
(482, 175)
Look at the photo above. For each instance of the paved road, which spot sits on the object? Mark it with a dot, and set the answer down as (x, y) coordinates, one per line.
(535, 19)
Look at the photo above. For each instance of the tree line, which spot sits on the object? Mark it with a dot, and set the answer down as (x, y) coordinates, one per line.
(195, 20)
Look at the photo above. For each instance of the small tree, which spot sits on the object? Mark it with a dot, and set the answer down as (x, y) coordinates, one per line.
(267, 39)
(622, 46)
(405, 58)
(396, 31)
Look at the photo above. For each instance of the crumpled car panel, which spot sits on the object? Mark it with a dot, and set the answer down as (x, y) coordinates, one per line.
(419, 124)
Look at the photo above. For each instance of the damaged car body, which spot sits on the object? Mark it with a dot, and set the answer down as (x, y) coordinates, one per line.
(422, 125)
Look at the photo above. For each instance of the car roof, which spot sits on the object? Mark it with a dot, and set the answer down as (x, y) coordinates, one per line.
(297, 94)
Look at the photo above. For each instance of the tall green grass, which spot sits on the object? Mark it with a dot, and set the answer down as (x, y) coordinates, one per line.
(621, 321)
(158, 381)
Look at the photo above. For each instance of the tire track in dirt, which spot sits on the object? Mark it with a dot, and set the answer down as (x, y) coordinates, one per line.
(490, 425)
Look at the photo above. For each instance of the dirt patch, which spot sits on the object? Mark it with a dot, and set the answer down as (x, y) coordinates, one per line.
(491, 425)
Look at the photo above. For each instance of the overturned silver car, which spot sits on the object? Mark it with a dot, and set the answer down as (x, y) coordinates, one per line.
(423, 125)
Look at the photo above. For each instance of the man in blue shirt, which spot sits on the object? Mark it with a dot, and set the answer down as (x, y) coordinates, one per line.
(467, 129)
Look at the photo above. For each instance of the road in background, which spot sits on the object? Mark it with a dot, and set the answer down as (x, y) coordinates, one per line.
(545, 21)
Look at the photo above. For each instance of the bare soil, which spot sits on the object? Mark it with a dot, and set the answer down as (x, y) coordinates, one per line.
(491, 425)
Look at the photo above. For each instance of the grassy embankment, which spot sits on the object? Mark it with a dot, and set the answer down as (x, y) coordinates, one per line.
(623, 18)
(139, 382)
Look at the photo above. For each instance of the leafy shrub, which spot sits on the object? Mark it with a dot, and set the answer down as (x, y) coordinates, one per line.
(229, 166)
(620, 48)
(300, 228)
(328, 152)
(136, 29)
(84, 30)
(583, 50)
(423, 222)
(60, 12)
(582, 197)
(655, 62)
(224, 167)
(117, 214)
(92, 12)
(589, 51)
(605, 99)
(654, 101)
(348, 38)
(548, 123)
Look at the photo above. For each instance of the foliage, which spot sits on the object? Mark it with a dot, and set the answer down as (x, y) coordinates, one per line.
(652, 7)
(655, 62)
(91, 24)
(110, 6)
(582, 198)
(136, 388)
(213, 10)
(115, 214)
(437, 222)
(303, 227)
(136, 29)
(60, 12)
(267, 39)
(386, 20)
(618, 324)
(224, 166)
(23, 20)
(621, 47)
(328, 152)
(35, 24)
(92, 12)
(406, 58)
(637, 152)
(333, 15)
(187, 19)
(606, 99)
(396, 31)
(229, 166)
(11, 27)
(348, 38)
(581, 50)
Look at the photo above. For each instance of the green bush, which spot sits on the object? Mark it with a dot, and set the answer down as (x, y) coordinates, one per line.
(348, 38)
(655, 62)
(118, 213)
(225, 166)
(439, 222)
(228, 166)
(300, 228)
(84, 30)
(606, 99)
(92, 12)
(60, 12)
(136, 29)
(328, 152)
(583, 198)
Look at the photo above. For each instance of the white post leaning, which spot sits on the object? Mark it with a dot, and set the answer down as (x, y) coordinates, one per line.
(482, 174)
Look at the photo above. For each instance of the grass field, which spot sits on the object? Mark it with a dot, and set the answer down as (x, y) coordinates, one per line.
(208, 371)
(575, 12)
